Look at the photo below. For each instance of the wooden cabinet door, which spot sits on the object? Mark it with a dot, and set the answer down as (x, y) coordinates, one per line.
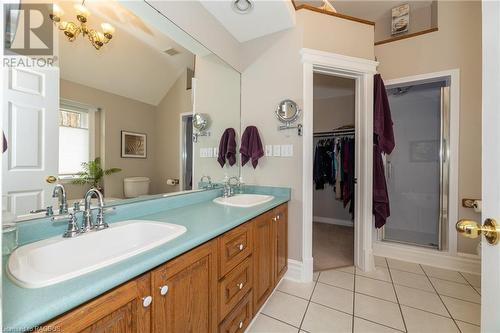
(263, 256)
(281, 238)
(120, 310)
(185, 292)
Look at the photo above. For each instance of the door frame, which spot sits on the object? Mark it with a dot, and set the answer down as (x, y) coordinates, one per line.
(384, 248)
(182, 135)
(362, 71)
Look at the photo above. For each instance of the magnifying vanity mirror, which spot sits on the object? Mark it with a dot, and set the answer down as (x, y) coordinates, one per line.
(287, 111)
(137, 133)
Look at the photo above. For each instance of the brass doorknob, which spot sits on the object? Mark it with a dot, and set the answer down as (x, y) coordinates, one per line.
(472, 229)
(51, 179)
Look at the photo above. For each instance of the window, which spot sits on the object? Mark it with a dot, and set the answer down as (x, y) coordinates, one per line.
(75, 128)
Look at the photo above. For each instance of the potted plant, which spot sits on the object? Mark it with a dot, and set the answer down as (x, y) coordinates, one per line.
(92, 174)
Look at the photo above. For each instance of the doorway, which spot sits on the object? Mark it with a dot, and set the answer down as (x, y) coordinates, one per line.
(333, 171)
(186, 177)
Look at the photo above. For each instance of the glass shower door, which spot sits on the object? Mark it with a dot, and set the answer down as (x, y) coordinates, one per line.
(414, 170)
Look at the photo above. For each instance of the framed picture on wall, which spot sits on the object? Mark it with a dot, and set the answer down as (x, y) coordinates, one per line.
(400, 19)
(134, 145)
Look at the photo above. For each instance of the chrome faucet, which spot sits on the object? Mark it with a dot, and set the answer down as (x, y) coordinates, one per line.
(229, 188)
(209, 185)
(60, 192)
(87, 224)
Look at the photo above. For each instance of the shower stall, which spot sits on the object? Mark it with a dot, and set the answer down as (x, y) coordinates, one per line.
(417, 171)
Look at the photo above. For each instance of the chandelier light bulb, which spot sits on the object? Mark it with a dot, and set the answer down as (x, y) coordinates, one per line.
(107, 29)
(82, 13)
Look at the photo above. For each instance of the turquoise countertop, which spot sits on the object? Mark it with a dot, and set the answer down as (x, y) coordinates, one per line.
(26, 308)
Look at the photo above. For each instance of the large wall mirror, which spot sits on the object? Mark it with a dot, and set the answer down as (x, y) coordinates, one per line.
(124, 112)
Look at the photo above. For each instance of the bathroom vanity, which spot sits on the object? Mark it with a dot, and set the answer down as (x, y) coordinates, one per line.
(217, 286)
(213, 278)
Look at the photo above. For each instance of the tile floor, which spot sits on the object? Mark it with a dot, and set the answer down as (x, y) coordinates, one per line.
(398, 297)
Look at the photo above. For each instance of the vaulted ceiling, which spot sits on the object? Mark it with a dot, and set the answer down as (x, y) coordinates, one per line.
(133, 64)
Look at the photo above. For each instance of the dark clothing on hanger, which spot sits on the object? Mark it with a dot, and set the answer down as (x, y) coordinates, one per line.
(323, 165)
(383, 142)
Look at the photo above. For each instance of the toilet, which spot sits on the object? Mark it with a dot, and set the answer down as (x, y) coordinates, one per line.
(136, 186)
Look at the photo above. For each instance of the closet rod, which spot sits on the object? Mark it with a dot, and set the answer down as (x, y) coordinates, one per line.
(335, 133)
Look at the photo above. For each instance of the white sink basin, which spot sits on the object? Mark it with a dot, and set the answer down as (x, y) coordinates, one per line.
(58, 259)
(244, 200)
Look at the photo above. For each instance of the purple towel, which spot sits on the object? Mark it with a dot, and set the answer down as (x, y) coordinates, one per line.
(4, 143)
(383, 142)
(227, 147)
(251, 146)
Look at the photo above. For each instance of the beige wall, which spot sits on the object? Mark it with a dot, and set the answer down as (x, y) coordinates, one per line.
(273, 71)
(217, 94)
(167, 129)
(457, 44)
(118, 113)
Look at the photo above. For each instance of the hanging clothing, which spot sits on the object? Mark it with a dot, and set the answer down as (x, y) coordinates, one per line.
(323, 165)
(5, 146)
(383, 143)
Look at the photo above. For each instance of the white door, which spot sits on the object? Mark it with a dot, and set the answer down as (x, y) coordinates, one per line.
(490, 280)
(30, 123)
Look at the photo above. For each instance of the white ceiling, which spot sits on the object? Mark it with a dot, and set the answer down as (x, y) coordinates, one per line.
(132, 65)
(371, 10)
(266, 17)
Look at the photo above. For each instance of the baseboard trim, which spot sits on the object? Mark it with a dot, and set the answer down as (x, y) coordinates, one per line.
(301, 271)
(469, 264)
(330, 220)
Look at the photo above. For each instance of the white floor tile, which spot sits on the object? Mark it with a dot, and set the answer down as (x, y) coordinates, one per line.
(444, 274)
(334, 297)
(320, 319)
(418, 321)
(458, 290)
(299, 289)
(365, 326)
(411, 280)
(315, 276)
(264, 324)
(474, 279)
(375, 288)
(380, 273)
(468, 328)
(420, 299)
(404, 266)
(287, 308)
(348, 269)
(338, 279)
(463, 310)
(380, 261)
(374, 309)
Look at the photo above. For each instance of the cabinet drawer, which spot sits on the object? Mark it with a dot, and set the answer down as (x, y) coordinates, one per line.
(234, 247)
(234, 286)
(239, 319)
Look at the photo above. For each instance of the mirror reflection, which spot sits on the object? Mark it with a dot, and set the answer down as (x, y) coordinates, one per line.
(138, 117)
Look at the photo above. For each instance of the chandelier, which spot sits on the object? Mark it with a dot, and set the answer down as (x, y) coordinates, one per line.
(72, 30)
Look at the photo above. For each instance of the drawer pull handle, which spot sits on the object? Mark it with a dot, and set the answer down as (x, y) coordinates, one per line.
(275, 219)
(240, 325)
(163, 290)
(146, 301)
(278, 217)
(240, 285)
(241, 247)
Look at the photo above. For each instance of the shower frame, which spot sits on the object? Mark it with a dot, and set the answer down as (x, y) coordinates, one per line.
(450, 104)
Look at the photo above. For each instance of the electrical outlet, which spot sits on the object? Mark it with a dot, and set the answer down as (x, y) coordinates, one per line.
(269, 150)
(276, 150)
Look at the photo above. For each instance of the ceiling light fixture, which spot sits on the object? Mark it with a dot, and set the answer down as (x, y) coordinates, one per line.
(72, 30)
(242, 6)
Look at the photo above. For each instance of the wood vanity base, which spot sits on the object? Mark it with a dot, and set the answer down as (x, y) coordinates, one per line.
(217, 286)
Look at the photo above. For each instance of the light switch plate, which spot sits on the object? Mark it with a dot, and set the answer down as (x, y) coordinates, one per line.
(276, 150)
(287, 150)
(216, 151)
(269, 150)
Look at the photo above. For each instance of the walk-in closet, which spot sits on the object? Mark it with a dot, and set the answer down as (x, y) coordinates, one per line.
(333, 172)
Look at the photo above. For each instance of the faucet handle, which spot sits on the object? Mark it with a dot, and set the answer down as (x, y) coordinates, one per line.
(73, 229)
(99, 223)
